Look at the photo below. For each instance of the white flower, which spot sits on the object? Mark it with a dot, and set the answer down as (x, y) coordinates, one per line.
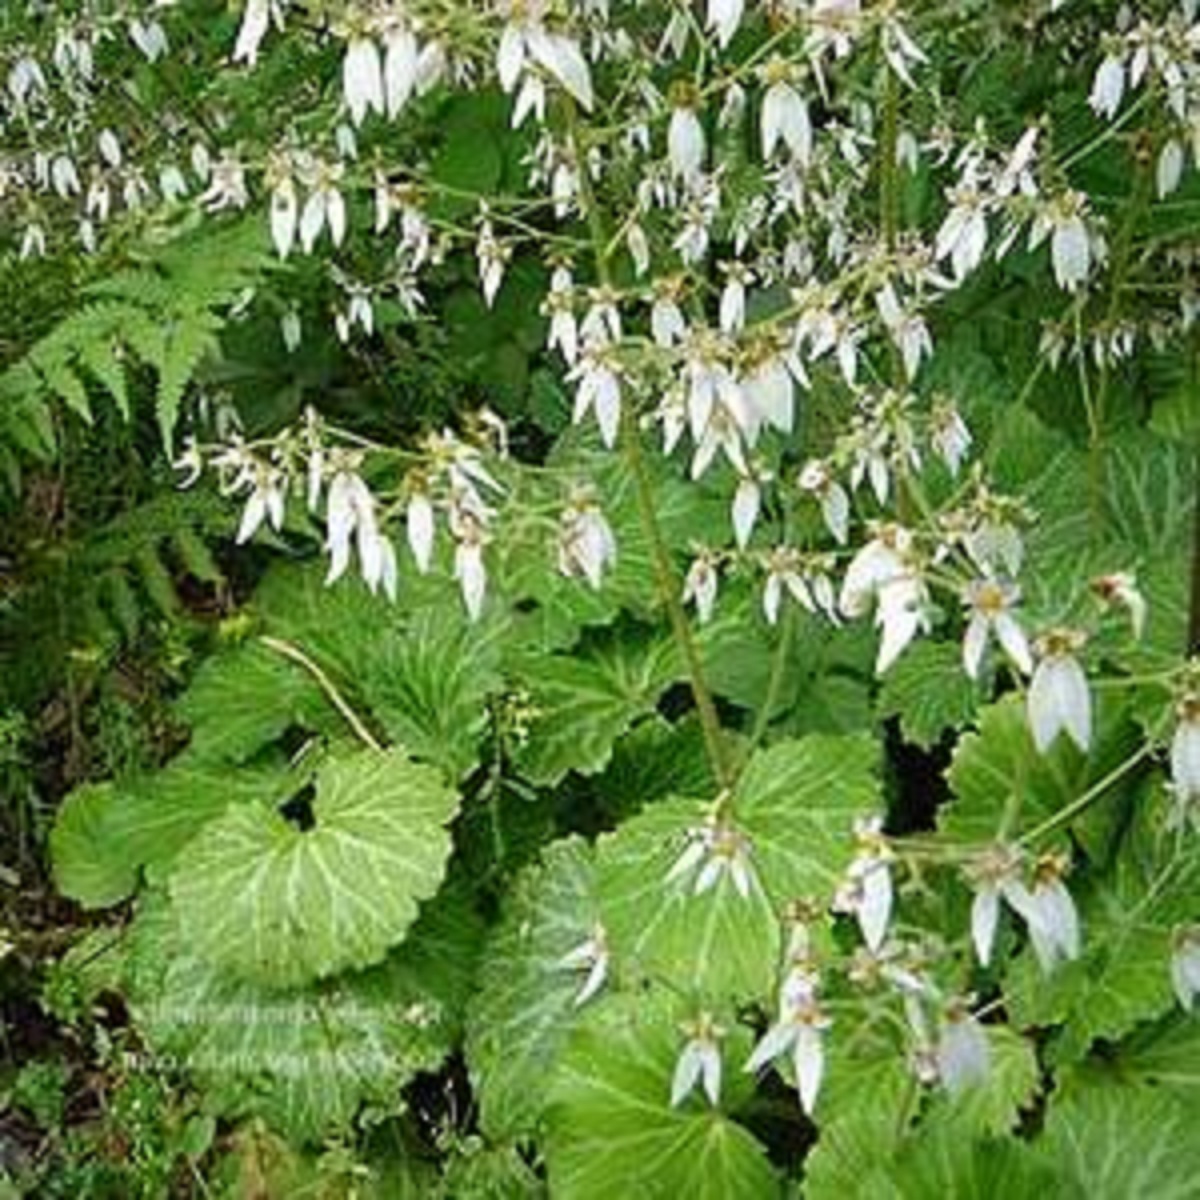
(1058, 698)
(785, 120)
(962, 1051)
(191, 461)
(1070, 242)
(255, 20)
(492, 258)
(1108, 87)
(599, 390)
(733, 297)
(362, 78)
(990, 603)
(400, 58)
(525, 38)
(724, 16)
(1185, 964)
(227, 186)
(801, 1030)
(714, 849)
(468, 562)
(699, 1061)
(962, 236)
(1185, 752)
(585, 540)
(325, 206)
(995, 874)
(950, 436)
(817, 477)
(1121, 588)
(866, 889)
(783, 574)
(685, 143)
(901, 612)
(590, 955)
(907, 330)
(285, 212)
(746, 501)
(266, 501)
(421, 527)
(1170, 168)
(880, 561)
(350, 512)
(700, 586)
(1049, 912)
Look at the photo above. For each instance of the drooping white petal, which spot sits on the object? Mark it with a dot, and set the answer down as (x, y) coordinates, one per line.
(687, 1072)
(985, 915)
(685, 143)
(399, 69)
(1059, 699)
(1185, 757)
(772, 1044)
(255, 19)
(962, 1053)
(421, 529)
(471, 575)
(1014, 642)
(746, 502)
(724, 16)
(809, 1061)
(876, 908)
(362, 78)
(285, 211)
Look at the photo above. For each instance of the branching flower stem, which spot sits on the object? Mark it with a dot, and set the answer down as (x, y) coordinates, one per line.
(296, 655)
(669, 585)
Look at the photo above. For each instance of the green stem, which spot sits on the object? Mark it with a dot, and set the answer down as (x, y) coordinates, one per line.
(1083, 802)
(668, 582)
(779, 661)
(296, 655)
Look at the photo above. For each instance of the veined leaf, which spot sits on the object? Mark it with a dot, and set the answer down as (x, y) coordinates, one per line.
(584, 701)
(719, 947)
(243, 700)
(798, 801)
(1117, 1142)
(929, 691)
(612, 1130)
(305, 1058)
(524, 1004)
(1001, 782)
(1123, 976)
(91, 865)
(279, 905)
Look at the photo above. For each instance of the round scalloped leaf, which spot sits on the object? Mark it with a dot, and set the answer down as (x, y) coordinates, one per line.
(277, 904)
(525, 999)
(303, 1059)
(583, 702)
(611, 1130)
(1117, 1142)
(245, 699)
(1127, 917)
(998, 776)
(719, 945)
(798, 802)
(90, 865)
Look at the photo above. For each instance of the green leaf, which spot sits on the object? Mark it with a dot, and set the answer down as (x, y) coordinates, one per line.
(612, 1132)
(993, 1106)
(1001, 782)
(304, 1059)
(719, 947)
(429, 684)
(1123, 975)
(524, 1004)
(798, 802)
(281, 905)
(582, 702)
(929, 691)
(244, 699)
(941, 1162)
(1119, 1142)
(91, 866)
